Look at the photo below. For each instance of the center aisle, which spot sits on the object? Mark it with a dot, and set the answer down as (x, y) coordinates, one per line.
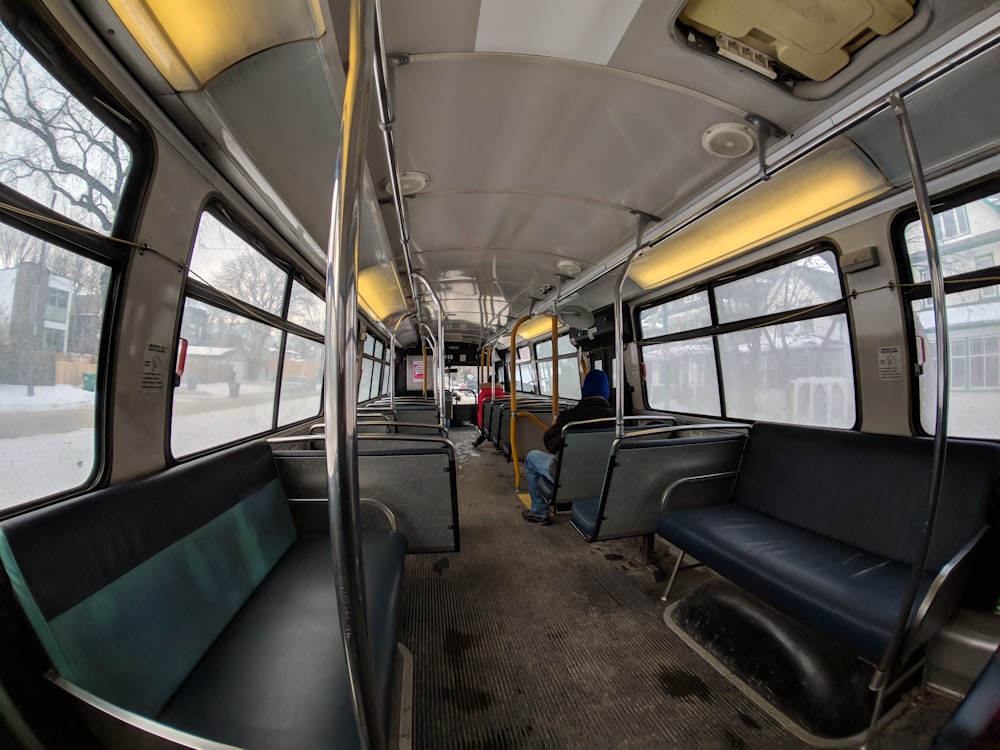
(531, 638)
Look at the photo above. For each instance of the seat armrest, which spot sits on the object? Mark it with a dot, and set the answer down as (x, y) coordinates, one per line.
(118, 727)
(699, 491)
(941, 599)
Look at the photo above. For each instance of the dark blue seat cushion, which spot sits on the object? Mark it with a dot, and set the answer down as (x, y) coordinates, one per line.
(869, 491)
(584, 515)
(277, 676)
(850, 595)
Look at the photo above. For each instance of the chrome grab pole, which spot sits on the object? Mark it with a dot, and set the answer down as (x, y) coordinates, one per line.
(440, 338)
(387, 119)
(392, 360)
(427, 336)
(942, 394)
(641, 220)
(341, 386)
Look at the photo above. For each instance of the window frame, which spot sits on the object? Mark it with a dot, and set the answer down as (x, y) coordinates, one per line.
(203, 292)
(914, 292)
(716, 330)
(62, 59)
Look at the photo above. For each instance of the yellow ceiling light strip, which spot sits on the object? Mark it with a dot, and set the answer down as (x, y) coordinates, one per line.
(825, 184)
(535, 327)
(192, 41)
(378, 292)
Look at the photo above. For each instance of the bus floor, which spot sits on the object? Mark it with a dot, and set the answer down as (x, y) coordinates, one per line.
(531, 638)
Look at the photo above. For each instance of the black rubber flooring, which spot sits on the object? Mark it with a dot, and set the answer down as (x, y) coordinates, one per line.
(531, 638)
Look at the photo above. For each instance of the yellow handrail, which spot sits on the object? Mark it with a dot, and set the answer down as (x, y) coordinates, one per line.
(533, 418)
(513, 441)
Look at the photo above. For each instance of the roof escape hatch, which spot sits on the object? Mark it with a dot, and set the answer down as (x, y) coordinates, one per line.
(788, 41)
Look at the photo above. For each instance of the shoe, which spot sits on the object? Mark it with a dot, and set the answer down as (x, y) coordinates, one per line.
(527, 515)
(478, 441)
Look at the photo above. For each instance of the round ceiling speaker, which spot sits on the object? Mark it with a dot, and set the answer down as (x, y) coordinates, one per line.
(409, 183)
(729, 140)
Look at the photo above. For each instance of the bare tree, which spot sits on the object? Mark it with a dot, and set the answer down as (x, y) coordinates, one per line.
(17, 247)
(53, 148)
(251, 277)
(60, 154)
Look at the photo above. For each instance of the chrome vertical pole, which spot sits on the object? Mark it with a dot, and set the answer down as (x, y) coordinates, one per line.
(340, 392)
(387, 120)
(641, 220)
(941, 415)
(439, 348)
(392, 361)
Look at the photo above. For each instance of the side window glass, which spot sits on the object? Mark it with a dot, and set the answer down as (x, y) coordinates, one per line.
(969, 246)
(301, 380)
(248, 370)
(52, 307)
(780, 349)
(225, 261)
(227, 391)
(55, 150)
(306, 309)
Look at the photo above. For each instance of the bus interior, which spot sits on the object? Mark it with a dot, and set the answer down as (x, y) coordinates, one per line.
(289, 292)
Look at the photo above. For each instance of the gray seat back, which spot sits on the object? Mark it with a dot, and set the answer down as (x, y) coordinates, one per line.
(649, 471)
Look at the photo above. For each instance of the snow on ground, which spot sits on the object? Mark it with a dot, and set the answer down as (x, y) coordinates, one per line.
(57, 462)
(16, 398)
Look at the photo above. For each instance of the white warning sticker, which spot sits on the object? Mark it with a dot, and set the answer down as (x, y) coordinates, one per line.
(890, 363)
(152, 368)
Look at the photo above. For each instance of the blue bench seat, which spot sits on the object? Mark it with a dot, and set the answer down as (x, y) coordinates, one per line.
(186, 598)
(825, 525)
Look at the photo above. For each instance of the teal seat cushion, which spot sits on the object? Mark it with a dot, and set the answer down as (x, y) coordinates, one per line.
(127, 609)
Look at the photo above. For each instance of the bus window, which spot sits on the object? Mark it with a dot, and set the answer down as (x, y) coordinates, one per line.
(301, 380)
(779, 342)
(968, 236)
(236, 339)
(52, 307)
(569, 370)
(306, 309)
(59, 159)
(227, 391)
(56, 151)
(226, 262)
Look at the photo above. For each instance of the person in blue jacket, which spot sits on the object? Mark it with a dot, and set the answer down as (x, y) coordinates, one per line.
(593, 404)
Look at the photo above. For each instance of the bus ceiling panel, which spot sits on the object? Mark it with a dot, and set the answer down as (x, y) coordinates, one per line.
(490, 273)
(271, 105)
(552, 225)
(969, 93)
(516, 123)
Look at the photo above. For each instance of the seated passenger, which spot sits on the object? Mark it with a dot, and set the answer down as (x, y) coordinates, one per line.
(593, 404)
(486, 393)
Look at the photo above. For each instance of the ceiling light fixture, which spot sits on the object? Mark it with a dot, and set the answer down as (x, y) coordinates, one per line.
(409, 183)
(192, 41)
(828, 182)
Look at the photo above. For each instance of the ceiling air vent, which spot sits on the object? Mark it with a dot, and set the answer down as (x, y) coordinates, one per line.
(790, 40)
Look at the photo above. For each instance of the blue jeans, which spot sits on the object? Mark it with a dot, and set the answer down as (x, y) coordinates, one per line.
(538, 463)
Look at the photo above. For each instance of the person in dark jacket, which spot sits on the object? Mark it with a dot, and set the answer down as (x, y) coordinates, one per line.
(593, 404)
